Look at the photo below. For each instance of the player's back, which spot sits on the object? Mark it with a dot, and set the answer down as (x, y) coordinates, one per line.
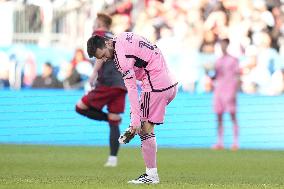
(148, 57)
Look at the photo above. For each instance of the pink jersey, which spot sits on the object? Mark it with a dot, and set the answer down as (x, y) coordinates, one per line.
(137, 59)
(226, 84)
(227, 74)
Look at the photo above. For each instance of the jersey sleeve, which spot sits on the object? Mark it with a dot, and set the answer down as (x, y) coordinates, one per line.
(126, 67)
(131, 86)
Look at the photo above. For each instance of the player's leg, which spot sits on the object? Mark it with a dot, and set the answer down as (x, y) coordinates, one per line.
(153, 107)
(153, 110)
(149, 150)
(148, 145)
(220, 133)
(218, 105)
(115, 106)
(114, 133)
(231, 107)
(235, 145)
(150, 104)
(91, 106)
(90, 112)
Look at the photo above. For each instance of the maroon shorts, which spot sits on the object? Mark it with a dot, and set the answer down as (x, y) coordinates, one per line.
(113, 98)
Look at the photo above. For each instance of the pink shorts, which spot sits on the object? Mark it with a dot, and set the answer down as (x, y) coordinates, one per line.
(224, 104)
(153, 105)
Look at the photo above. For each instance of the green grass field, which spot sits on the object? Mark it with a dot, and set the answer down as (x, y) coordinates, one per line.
(62, 167)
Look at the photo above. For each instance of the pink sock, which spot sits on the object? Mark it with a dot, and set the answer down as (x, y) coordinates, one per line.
(235, 134)
(149, 149)
(220, 135)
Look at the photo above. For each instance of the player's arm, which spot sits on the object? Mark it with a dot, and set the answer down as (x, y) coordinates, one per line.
(237, 70)
(93, 78)
(126, 67)
(215, 72)
(135, 124)
(130, 83)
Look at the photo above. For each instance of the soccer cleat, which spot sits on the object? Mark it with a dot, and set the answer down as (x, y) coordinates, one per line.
(235, 147)
(111, 162)
(218, 147)
(145, 179)
(126, 136)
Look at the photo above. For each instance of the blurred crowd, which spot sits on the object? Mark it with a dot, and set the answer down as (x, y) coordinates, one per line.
(187, 32)
(21, 72)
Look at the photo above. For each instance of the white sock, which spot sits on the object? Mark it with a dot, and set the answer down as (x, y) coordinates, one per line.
(152, 171)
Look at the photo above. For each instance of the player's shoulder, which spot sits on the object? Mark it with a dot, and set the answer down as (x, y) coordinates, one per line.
(123, 35)
(230, 57)
(126, 36)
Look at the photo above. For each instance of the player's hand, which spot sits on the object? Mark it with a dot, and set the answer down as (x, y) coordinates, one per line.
(135, 129)
(129, 134)
(126, 136)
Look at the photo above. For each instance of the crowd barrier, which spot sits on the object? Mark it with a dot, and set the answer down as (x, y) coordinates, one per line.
(48, 117)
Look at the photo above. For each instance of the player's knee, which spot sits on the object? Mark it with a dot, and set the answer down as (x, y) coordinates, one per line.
(80, 110)
(114, 116)
(80, 104)
(77, 109)
(114, 119)
(147, 127)
(114, 123)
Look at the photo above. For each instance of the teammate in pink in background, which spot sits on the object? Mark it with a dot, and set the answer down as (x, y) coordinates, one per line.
(138, 59)
(225, 93)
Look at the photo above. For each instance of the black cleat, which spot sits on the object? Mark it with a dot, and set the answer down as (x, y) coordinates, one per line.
(126, 136)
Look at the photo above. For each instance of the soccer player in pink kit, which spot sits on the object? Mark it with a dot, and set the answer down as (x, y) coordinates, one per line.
(137, 59)
(225, 92)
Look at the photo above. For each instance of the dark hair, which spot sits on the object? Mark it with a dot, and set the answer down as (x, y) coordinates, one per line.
(93, 43)
(225, 40)
(48, 64)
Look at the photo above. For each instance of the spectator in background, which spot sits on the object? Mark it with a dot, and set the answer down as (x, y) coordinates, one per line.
(121, 13)
(29, 70)
(79, 57)
(276, 33)
(82, 64)
(261, 73)
(225, 93)
(47, 79)
(72, 78)
(4, 70)
(217, 20)
(208, 43)
(109, 91)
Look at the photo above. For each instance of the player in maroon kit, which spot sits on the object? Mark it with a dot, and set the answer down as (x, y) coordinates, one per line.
(109, 91)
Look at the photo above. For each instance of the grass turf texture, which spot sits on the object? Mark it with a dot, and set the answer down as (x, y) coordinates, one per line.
(27, 166)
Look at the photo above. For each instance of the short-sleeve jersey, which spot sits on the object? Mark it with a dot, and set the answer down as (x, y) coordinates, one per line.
(227, 73)
(138, 59)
